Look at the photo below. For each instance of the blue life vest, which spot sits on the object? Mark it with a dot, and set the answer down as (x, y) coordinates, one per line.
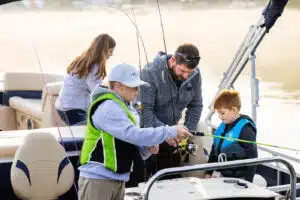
(231, 148)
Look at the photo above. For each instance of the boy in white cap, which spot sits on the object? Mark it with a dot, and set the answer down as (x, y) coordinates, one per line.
(113, 137)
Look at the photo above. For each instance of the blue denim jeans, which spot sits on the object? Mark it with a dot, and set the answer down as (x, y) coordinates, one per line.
(73, 117)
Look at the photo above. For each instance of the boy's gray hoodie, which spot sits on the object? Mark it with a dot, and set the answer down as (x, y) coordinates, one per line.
(112, 118)
(163, 102)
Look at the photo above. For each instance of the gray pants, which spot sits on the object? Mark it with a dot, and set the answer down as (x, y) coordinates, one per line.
(100, 189)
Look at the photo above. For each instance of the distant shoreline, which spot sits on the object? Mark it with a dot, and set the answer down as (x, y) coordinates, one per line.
(68, 5)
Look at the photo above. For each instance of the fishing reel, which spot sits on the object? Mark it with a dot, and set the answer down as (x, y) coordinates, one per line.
(188, 146)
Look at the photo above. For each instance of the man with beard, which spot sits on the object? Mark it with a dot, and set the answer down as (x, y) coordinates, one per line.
(175, 84)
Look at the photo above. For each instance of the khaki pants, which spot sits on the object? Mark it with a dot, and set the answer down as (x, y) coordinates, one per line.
(100, 189)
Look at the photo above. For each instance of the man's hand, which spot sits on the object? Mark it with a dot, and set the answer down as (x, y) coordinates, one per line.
(154, 149)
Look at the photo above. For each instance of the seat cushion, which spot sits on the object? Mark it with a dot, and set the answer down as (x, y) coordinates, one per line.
(24, 81)
(31, 107)
(11, 140)
(26, 84)
(41, 168)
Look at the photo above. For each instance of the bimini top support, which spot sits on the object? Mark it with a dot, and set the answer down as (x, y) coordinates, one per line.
(246, 52)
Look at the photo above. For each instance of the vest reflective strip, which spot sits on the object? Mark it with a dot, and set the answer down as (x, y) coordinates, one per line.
(110, 160)
(90, 143)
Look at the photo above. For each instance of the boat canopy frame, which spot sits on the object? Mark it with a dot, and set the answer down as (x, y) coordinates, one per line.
(246, 53)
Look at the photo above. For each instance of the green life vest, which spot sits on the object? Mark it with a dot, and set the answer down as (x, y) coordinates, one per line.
(100, 146)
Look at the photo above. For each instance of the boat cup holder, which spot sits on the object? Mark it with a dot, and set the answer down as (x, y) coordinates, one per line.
(241, 185)
(30, 124)
(134, 195)
(237, 183)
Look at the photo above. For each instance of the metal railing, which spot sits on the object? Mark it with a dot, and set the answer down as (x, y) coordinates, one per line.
(281, 188)
(224, 165)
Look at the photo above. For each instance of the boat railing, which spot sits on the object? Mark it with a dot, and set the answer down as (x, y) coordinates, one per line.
(282, 188)
(223, 165)
(277, 167)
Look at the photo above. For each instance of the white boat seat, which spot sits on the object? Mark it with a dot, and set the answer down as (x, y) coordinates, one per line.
(32, 107)
(28, 81)
(41, 168)
(12, 140)
(41, 111)
(31, 101)
(50, 116)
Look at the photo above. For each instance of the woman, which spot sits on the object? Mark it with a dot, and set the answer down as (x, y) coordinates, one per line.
(84, 73)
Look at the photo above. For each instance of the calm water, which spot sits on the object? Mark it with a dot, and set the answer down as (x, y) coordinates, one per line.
(217, 29)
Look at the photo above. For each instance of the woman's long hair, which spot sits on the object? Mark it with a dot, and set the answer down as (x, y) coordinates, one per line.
(97, 53)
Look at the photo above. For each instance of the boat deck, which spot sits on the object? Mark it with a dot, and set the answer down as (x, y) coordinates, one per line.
(196, 188)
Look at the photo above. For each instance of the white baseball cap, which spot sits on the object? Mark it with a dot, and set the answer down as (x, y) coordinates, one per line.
(127, 75)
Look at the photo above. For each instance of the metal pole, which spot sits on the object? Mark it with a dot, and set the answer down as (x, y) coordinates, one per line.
(234, 70)
(254, 88)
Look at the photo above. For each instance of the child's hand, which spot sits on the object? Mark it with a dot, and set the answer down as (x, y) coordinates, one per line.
(207, 176)
(182, 133)
(172, 142)
(154, 149)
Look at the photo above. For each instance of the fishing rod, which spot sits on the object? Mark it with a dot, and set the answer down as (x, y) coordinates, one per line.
(192, 147)
(162, 26)
(138, 43)
(185, 146)
(136, 28)
(139, 104)
(139, 36)
(52, 110)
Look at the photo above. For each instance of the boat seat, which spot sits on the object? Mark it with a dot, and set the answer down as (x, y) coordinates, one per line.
(28, 112)
(12, 140)
(41, 169)
(32, 107)
(25, 94)
(32, 110)
(27, 85)
(41, 111)
(50, 116)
